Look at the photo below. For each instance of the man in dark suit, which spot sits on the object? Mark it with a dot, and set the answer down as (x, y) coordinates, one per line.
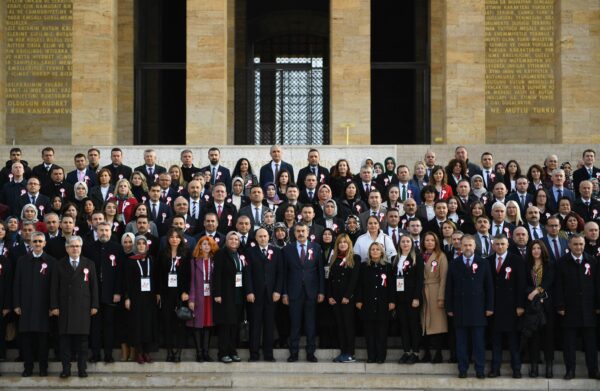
(268, 172)
(292, 193)
(463, 190)
(256, 210)
(375, 209)
(558, 191)
(150, 169)
(508, 275)
(226, 211)
(521, 196)
(407, 189)
(311, 187)
(577, 299)
(31, 302)
(42, 170)
(14, 188)
(218, 173)
(93, 156)
(15, 157)
(532, 223)
(58, 187)
(321, 173)
(586, 206)
(264, 277)
(303, 288)
(588, 171)
(441, 215)
(498, 225)
(159, 212)
(167, 193)
(518, 245)
(74, 299)
(33, 196)
(315, 231)
(499, 195)
(460, 153)
(245, 233)
(556, 245)
(82, 173)
(211, 224)
(104, 252)
(117, 169)
(490, 178)
(56, 247)
(366, 183)
(191, 225)
(469, 300)
(187, 165)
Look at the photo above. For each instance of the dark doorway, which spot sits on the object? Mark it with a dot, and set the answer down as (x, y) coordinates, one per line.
(400, 72)
(160, 57)
(282, 77)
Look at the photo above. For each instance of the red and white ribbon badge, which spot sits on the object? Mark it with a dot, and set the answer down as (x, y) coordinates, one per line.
(149, 243)
(409, 191)
(62, 193)
(86, 271)
(595, 213)
(243, 259)
(41, 209)
(310, 254)
(177, 261)
(252, 244)
(155, 177)
(110, 195)
(113, 260)
(206, 197)
(43, 268)
(381, 216)
(588, 269)
(474, 268)
(23, 191)
(508, 271)
(322, 178)
(144, 198)
(343, 263)
(383, 279)
(229, 218)
(299, 217)
(312, 238)
(358, 208)
(218, 174)
(180, 189)
(168, 200)
(484, 199)
(115, 226)
(405, 265)
(10, 177)
(164, 216)
(217, 240)
(0, 269)
(507, 232)
(434, 265)
(120, 176)
(76, 229)
(385, 181)
(269, 254)
(335, 227)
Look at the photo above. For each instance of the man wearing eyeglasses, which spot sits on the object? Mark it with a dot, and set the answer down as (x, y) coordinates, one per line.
(74, 299)
(31, 302)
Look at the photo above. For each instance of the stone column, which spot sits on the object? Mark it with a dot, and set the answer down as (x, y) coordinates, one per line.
(580, 71)
(206, 87)
(2, 74)
(94, 89)
(125, 93)
(465, 72)
(350, 70)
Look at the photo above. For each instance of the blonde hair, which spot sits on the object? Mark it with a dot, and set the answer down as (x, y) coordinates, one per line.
(411, 254)
(383, 259)
(349, 253)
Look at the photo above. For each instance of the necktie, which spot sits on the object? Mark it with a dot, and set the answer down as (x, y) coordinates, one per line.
(484, 245)
(590, 172)
(194, 209)
(468, 262)
(151, 172)
(302, 253)
(535, 233)
(587, 203)
(499, 265)
(559, 192)
(578, 261)
(264, 251)
(368, 188)
(276, 170)
(310, 194)
(523, 251)
(33, 200)
(416, 243)
(395, 237)
(498, 230)
(403, 192)
(213, 175)
(164, 195)
(314, 170)
(243, 240)
(219, 210)
(256, 216)
(487, 178)
(523, 200)
(556, 250)
(154, 211)
(74, 264)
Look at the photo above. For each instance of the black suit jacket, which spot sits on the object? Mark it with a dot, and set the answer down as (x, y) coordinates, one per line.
(157, 171)
(509, 291)
(41, 173)
(517, 198)
(307, 276)
(164, 215)
(264, 274)
(119, 172)
(223, 175)
(227, 219)
(40, 201)
(108, 268)
(322, 176)
(90, 182)
(266, 172)
(363, 194)
(587, 212)
(95, 194)
(582, 174)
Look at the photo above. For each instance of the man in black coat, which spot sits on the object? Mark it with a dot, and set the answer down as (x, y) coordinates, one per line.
(82, 173)
(321, 173)
(366, 182)
(469, 300)
(74, 299)
(42, 170)
(104, 252)
(256, 210)
(158, 211)
(226, 211)
(264, 283)
(117, 169)
(31, 302)
(268, 172)
(218, 173)
(303, 288)
(586, 206)
(150, 169)
(577, 299)
(33, 196)
(56, 247)
(508, 273)
(588, 171)
(15, 157)
(57, 186)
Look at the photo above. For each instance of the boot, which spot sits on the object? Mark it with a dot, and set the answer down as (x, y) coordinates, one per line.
(206, 346)
(124, 352)
(437, 358)
(533, 372)
(198, 345)
(177, 356)
(549, 374)
(426, 357)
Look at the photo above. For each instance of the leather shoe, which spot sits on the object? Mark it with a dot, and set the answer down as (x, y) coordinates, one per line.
(462, 375)
(236, 358)
(311, 358)
(253, 359)
(549, 371)
(480, 375)
(65, 374)
(404, 358)
(517, 375)
(43, 372)
(82, 373)
(109, 360)
(226, 360)
(569, 375)
(270, 359)
(26, 373)
(493, 374)
(292, 358)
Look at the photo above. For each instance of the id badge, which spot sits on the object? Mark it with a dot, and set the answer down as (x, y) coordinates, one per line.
(172, 281)
(326, 272)
(145, 284)
(238, 280)
(206, 289)
(400, 284)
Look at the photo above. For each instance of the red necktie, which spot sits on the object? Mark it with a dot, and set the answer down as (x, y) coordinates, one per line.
(219, 210)
(499, 265)
(302, 254)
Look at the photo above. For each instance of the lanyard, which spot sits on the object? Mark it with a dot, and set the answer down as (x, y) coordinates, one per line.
(173, 265)
(206, 269)
(142, 271)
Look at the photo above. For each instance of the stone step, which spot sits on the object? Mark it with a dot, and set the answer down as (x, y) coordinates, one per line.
(291, 381)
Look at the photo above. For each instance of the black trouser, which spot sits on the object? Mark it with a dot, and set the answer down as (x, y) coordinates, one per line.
(102, 330)
(326, 326)
(543, 337)
(376, 337)
(410, 332)
(174, 329)
(76, 343)
(589, 346)
(229, 334)
(37, 342)
(451, 338)
(262, 318)
(344, 319)
(303, 309)
(433, 341)
(282, 321)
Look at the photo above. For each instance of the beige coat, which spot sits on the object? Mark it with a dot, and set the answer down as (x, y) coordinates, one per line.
(433, 318)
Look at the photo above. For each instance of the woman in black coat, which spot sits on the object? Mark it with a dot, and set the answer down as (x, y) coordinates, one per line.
(350, 203)
(174, 270)
(375, 300)
(342, 278)
(408, 270)
(540, 283)
(227, 291)
(141, 300)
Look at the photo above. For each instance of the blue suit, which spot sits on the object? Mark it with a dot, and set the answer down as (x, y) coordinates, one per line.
(517, 198)
(553, 201)
(469, 294)
(266, 173)
(562, 243)
(91, 181)
(302, 283)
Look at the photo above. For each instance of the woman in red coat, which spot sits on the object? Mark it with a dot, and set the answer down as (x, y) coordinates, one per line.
(125, 200)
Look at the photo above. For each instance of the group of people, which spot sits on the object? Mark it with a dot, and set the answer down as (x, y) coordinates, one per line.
(459, 256)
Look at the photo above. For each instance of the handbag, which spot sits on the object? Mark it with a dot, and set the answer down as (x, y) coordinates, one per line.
(183, 312)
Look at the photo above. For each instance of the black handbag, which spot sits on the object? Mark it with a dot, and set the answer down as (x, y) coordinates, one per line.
(183, 312)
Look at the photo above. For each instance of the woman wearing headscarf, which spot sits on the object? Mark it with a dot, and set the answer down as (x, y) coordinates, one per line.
(29, 214)
(330, 219)
(238, 198)
(121, 314)
(388, 177)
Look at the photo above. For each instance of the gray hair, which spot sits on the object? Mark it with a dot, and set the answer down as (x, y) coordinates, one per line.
(73, 238)
(37, 234)
(558, 171)
(498, 205)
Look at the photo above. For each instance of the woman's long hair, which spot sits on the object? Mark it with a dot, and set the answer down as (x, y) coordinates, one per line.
(349, 253)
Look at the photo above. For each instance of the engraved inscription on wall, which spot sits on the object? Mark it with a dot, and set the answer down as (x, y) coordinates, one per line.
(39, 37)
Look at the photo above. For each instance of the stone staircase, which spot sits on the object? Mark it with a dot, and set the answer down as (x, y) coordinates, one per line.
(285, 376)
